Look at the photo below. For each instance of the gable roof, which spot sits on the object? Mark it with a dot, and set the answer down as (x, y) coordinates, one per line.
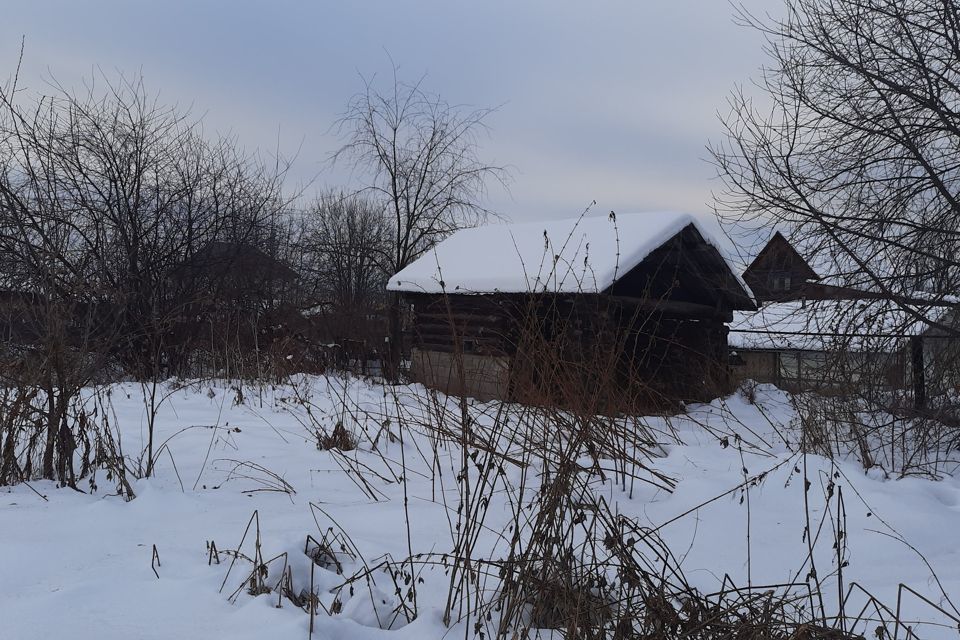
(238, 259)
(778, 241)
(579, 255)
(828, 263)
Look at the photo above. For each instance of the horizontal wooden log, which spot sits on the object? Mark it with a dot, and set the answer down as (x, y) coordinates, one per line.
(486, 350)
(444, 338)
(677, 308)
(460, 318)
(471, 329)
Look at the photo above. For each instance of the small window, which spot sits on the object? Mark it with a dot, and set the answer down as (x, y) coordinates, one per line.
(780, 281)
(468, 346)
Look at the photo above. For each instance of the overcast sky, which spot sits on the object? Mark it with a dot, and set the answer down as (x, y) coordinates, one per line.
(613, 101)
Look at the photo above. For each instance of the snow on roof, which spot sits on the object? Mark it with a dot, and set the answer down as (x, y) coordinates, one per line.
(829, 325)
(584, 254)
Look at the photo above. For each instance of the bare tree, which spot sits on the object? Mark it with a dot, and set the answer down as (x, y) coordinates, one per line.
(853, 146)
(106, 199)
(350, 248)
(423, 159)
(858, 151)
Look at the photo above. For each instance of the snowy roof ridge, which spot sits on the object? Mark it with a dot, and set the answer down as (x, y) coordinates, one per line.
(586, 254)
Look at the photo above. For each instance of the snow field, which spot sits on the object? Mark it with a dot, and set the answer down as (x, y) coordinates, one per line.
(78, 565)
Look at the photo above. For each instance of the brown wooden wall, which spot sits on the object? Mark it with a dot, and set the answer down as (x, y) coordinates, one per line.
(609, 351)
(484, 325)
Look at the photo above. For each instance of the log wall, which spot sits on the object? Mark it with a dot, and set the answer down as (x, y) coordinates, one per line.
(548, 348)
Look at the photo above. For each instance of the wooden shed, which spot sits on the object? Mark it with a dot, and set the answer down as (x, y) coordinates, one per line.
(828, 329)
(608, 308)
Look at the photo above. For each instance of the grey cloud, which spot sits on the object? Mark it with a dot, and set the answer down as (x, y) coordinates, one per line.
(609, 100)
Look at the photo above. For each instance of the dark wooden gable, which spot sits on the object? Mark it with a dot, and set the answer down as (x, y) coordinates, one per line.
(779, 272)
(685, 272)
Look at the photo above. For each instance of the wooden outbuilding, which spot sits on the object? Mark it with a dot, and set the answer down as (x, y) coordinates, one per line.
(826, 329)
(615, 310)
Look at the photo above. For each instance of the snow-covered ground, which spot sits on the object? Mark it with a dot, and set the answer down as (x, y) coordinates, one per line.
(81, 565)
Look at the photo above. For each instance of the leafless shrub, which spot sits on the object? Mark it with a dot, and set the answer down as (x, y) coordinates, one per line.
(330, 551)
(748, 391)
(901, 444)
(339, 439)
(263, 478)
(85, 436)
(18, 421)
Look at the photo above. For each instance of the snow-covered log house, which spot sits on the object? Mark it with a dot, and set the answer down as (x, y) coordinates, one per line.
(613, 307)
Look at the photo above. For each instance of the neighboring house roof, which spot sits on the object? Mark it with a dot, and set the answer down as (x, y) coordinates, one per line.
(585, 255)
(239, 260)
(834, 266)
(829, 325)
(778, 242)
